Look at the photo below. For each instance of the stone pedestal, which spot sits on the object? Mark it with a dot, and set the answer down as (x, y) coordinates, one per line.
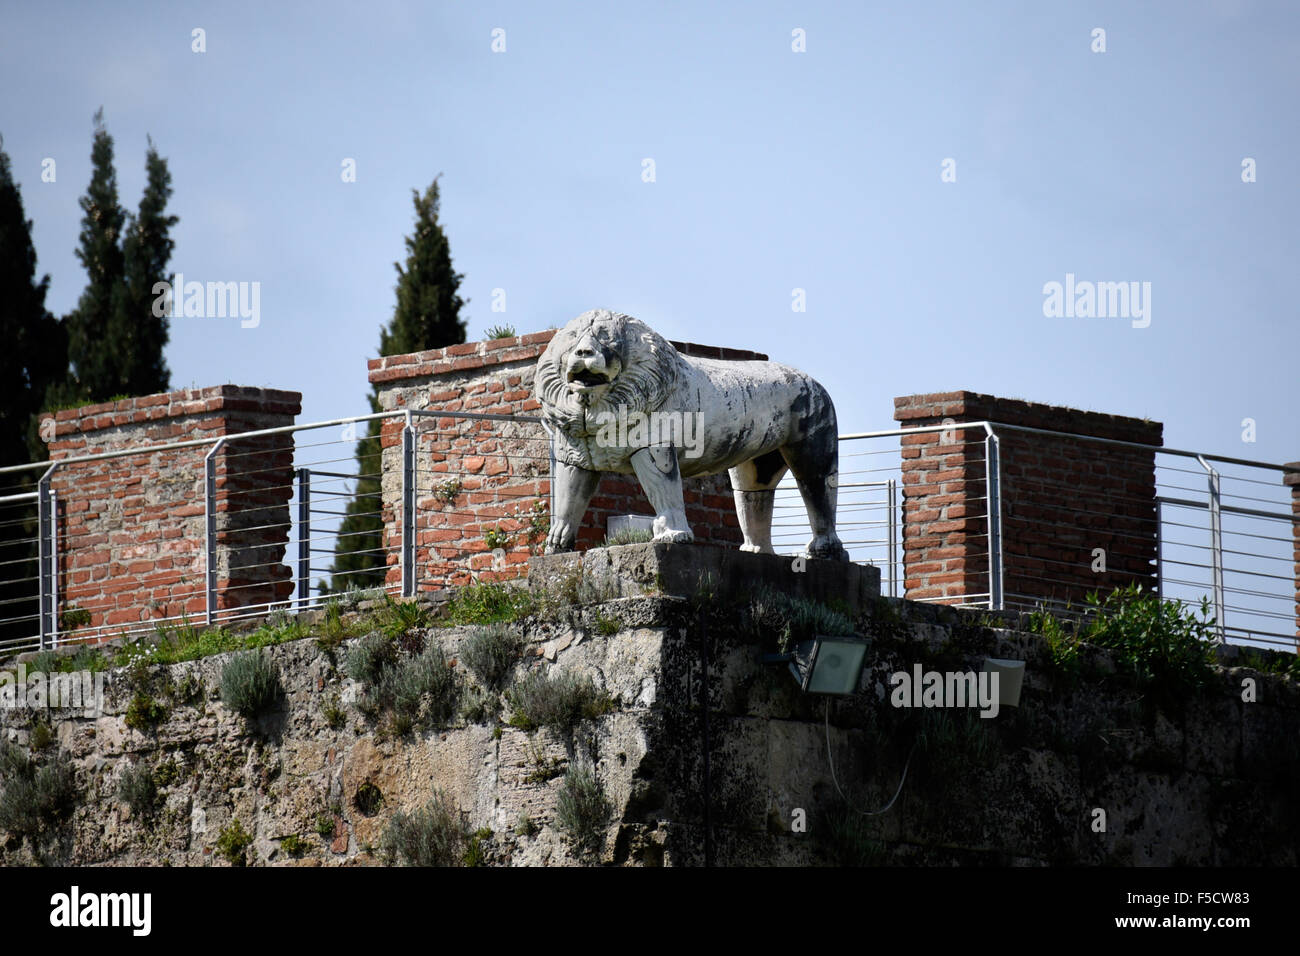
(680, 570)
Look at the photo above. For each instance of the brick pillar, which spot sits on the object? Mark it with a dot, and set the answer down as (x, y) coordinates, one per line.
(475, 477)
(1061, 500)
(132, 528)
(1292, 479)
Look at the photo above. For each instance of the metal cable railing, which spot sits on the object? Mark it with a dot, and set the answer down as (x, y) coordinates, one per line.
(218, 530)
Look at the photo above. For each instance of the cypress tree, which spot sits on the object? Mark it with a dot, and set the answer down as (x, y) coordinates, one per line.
(91, 349)
(115, 342)
(34, 354)
(146, 251)
(427, 316)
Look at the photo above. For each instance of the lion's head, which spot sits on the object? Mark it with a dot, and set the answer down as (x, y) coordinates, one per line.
(604, 360)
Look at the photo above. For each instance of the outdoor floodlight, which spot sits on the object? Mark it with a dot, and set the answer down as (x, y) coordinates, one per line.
(1011, 674)
(829, 664)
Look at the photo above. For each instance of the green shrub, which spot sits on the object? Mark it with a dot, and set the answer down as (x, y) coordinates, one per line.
(475, 851)
(606, 624)
(1158, 642)
(398, 617)
(432, 835)
(488, 603)
(325, 825)
(1158, 645)
(370, 657)
(46, 662)
(250, 683)
(559, 701)
(233, 841)
(628, 536)
(41, 736)
(368, 799)
(497, 538)
(526, 826)
(792, 620)
(490, 652)
(36, 796)
(582, 810)
(166, 774)
(293, 844)
(335, 716)
(501, 332)
(144, 712)
(851, 840)
(138, 788)
(73, 617)
(398, 686)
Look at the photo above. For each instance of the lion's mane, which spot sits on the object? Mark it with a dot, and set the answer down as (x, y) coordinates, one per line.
(651, 370)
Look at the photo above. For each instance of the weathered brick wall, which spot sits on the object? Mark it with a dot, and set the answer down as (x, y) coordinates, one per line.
(1292, 479)
(474, 477)
(131, 528)
(1061, 500)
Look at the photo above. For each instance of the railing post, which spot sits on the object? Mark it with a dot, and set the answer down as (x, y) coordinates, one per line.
(550, 483)
(304, 537)
(407, 553)
(1160, 550)
(1216, 544)
(210, 530)
(993, 492)
(47, 560)
(892, 489)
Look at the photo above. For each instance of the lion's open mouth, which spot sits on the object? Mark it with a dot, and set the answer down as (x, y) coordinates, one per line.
(588, 377)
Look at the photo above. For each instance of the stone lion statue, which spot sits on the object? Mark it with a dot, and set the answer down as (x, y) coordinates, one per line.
(617, 397)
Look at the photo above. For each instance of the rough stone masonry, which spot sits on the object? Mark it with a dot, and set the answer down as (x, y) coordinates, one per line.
(1208, 780)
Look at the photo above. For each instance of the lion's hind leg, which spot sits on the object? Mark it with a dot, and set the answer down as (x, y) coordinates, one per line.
(815, 464)
(754, 486)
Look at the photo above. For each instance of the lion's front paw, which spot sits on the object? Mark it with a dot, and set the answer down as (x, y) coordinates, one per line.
(667, 532)
(826, 547)
(560, 537)
(674, 537)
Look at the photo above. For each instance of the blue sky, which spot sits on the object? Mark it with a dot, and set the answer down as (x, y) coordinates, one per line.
(775, 170)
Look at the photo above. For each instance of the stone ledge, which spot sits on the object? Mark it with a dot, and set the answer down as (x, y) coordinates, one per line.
(633, 570)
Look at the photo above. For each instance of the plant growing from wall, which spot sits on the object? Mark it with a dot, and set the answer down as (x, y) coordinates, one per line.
(1159, 646)
(490, 651)
(501, 332)
(250, 683)
(448, 490)
(488, 603)
(628, 536)
(36, 796)
(403, 687)
(582, 810)
(432, 835)
(790, 619)
(560, 701)
(233, 842)
(138, 789)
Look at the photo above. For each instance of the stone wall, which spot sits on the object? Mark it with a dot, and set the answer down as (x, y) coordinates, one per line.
(132, 528)
(1206, 779)
(1061, 500)
(478, 479)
